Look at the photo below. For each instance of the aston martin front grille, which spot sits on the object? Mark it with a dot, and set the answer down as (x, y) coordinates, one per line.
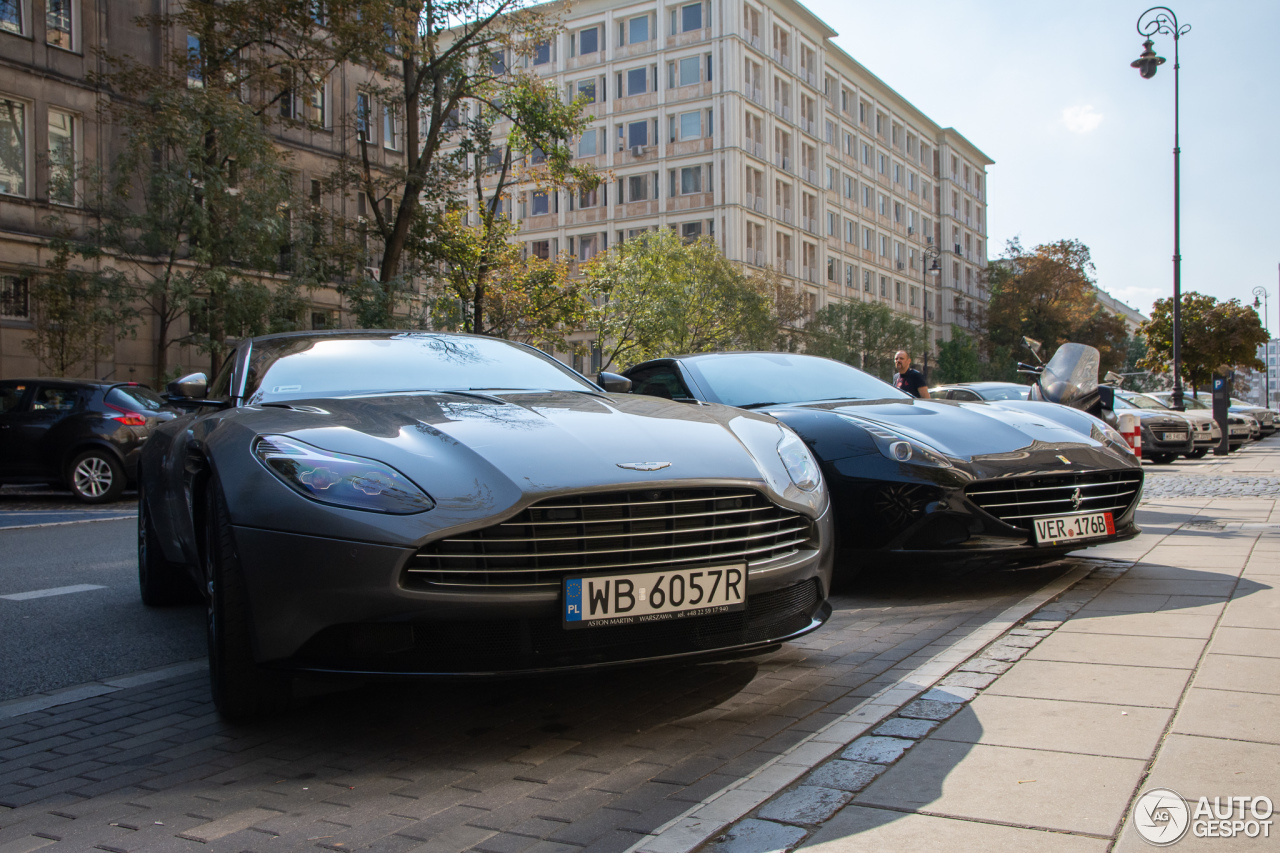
(1019, 500)
(616, 531)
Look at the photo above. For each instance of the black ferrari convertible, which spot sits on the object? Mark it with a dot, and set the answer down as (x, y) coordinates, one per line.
(927, 480)
(403, 503)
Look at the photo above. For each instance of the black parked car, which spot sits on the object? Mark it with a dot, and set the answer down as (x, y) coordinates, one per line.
(927, 481)
(410, 503)
(78, 432)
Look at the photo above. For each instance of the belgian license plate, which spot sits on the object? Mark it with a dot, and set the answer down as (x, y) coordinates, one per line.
(1175, 436)
(591, 602)
(1068, 528)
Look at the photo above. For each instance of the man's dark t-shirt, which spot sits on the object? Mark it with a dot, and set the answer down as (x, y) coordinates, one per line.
(910, 382)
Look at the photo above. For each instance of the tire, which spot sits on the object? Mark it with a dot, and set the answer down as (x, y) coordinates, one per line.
(162, 583)
(242, 690)
(96, 477)
(1198, 453)
(1162, 458)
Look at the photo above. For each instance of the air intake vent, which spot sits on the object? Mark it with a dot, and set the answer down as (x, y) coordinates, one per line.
(1018, 501)
(615, 531)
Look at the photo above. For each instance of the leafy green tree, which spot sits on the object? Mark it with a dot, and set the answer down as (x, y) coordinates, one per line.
(657, 295)
(958, 359)
(76, 315)
(865, 335)
(1215, 336)
(1048, 294)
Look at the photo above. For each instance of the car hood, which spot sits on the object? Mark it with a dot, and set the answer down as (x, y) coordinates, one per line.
(480, 450)
(961, 429)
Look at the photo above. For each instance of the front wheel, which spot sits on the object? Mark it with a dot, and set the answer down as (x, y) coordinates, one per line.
(162, 583)
(96, 476)
(242, 690)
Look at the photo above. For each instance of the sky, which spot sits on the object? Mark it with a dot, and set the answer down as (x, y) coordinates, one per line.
(1084, 146)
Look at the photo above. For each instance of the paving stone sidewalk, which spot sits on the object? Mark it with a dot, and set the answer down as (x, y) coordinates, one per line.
(1162, 670)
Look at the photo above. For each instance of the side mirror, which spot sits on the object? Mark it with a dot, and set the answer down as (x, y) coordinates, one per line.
(613, 383)
(1113, 378)
(1107, 396)
(1031, 344)
(191, 386)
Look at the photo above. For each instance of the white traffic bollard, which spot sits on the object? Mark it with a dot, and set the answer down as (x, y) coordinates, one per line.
(1131, 429)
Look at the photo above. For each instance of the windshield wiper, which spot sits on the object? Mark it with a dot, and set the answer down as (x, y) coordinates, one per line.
(758, 405)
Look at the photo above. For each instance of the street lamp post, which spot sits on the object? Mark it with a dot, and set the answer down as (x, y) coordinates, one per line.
(931, 266)
(1162, 20)
(1260, 295)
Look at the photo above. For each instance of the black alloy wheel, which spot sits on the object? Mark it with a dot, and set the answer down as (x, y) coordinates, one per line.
(242, 690)
(162, 583)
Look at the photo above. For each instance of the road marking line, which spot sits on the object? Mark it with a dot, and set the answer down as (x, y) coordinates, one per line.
(57, 590)
(61, 523)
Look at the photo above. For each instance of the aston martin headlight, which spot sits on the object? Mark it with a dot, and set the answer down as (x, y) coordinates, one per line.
(338, 479)
(799, 462)
(900, 448)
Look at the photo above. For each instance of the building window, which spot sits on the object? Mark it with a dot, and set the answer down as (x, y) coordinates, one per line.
(686, 18)
(364, 118)
(866, 154)
(881, 165)
(587, 90)
(687, 71)
(12, 19)
(690, 231)
(59, 23)
(635, 30)
(195, 76)
(637, 81)
(13, 147)
(62, 157)
(638, 133)
(542, 53)
(688, 126)
(589, 41)
(588, 144)
(320, 103)
(540, 205)
(541, 249)
(833, 270)
(848, 186)
(868, 239)
(884, 287)
(588, 245)
(15, 301)
(690, 180)
(390, 128)
(866, 196)
(884, 246)
(866, 281)
(638, 188)
(897, 291)
(832, 223)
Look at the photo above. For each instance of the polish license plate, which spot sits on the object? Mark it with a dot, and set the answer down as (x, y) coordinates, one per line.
(1068, 528)
(1175, 436)
(632, 599)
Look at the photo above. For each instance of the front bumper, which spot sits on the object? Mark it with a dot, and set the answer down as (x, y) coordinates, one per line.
(326, 605)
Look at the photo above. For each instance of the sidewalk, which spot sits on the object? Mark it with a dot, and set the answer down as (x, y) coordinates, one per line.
(1161, 670)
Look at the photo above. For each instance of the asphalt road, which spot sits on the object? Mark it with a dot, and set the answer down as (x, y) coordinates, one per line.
(99, 630)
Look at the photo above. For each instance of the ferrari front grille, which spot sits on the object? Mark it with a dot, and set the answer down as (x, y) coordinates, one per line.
(1020, 500)
(618, 531)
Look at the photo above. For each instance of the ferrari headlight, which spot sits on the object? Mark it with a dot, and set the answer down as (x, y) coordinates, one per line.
(900, 448)
(1103, 433)
(338, 479)
(799, 462)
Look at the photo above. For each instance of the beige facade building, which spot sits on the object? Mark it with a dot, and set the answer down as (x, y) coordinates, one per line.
(741, 120)
(734, 119)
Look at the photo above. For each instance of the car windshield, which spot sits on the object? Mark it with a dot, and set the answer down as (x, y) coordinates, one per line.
(297, 368)
(1005, 392)
(1189, 402)
(764, 378)
(1142, 401)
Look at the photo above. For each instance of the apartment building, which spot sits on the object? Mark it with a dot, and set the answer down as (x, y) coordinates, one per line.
(51, 126)
(741, 120)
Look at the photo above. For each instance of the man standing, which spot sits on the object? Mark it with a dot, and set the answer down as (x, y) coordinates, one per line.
(907, 378)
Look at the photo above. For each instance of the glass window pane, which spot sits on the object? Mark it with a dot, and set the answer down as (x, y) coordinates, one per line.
(691, 17)
(587, 144)
(639, 30)
(690, 125)
(58, 23)
(11, 16)
(589, 41)
(691, 180)
(13, 148)
(637, 81)
(689, 68)
(587, 91)
(62, 157)
(638, 133)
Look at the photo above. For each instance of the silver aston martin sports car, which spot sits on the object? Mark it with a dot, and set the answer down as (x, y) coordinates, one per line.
(404, 503)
